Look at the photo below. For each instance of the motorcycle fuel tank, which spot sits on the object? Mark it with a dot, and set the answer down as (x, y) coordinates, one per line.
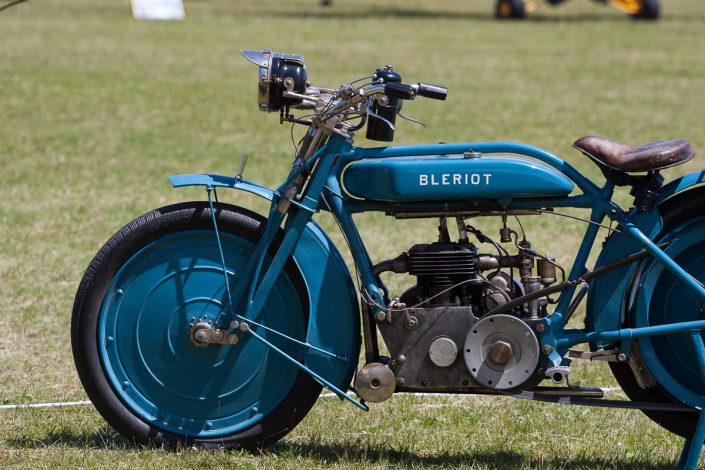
(445, 178)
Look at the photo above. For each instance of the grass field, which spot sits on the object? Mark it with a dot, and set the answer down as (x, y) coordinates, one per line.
(97, 109)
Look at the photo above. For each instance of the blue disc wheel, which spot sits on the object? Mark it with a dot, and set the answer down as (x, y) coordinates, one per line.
(132, 334)
(659, 299)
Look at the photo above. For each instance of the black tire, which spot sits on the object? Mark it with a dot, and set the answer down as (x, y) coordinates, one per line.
(510, 9)
(648, 10)
(136, 235)
(675, 211)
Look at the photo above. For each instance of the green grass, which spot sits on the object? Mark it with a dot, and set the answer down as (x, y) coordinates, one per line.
(96, 109)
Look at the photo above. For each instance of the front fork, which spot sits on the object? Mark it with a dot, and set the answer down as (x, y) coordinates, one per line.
(259, 277)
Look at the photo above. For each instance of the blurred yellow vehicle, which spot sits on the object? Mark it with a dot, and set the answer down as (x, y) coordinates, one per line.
(638, 9)
(518, 9)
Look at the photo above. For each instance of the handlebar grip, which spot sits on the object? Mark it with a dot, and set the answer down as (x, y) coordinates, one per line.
(400, 91)
(434, 92)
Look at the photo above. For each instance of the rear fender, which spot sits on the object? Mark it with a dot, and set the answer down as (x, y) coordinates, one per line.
(608, 297)
(334, 321)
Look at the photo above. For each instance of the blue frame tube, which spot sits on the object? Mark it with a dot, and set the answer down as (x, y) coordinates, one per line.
(361, 257)
(627, 334)
(578, 268)
(326, 179)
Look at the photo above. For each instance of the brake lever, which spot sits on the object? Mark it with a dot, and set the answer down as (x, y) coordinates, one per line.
(369, 112)
(401, 115)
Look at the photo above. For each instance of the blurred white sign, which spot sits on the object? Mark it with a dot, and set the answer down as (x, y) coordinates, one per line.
(158, 9)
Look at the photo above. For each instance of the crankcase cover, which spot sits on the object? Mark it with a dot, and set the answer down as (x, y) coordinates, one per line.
(501, 352)
(445, 178)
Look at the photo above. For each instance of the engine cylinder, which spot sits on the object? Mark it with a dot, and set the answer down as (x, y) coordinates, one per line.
(440, 266)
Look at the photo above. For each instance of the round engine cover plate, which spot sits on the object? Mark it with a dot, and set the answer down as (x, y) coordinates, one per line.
(501, 352)
(443, 351)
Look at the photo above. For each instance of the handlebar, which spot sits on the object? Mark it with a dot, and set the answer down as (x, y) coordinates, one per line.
(434, 92)
(378, 115)
(400, 91)
(409, 92)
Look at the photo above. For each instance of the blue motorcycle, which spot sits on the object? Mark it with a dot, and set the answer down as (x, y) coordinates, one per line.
(203, 323)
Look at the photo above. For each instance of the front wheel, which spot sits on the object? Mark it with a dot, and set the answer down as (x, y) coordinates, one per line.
(131, 325)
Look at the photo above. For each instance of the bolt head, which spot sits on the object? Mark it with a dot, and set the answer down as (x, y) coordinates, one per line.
(547, 349)
(217, 335)
(621, 357)
(232, 338)
(540, 327)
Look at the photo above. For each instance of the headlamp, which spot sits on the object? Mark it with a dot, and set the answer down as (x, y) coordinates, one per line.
(277, 72)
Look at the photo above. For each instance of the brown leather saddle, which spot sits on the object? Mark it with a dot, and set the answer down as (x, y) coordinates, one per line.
(623, 158)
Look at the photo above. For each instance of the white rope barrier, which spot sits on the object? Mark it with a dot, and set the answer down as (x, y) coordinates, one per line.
(46, 405)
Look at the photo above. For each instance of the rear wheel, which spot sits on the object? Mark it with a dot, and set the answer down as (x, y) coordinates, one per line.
(510, 9)
(648, 10)
(663, 299)
(131, 326)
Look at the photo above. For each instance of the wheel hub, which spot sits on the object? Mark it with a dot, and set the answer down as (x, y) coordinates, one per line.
(203, 334)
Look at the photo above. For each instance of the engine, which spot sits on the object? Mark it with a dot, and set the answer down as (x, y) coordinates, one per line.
(451, 274)
(450, 332)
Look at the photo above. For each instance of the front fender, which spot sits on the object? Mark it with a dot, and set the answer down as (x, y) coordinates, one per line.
(334, 320)
(220, 181)
(607, 297)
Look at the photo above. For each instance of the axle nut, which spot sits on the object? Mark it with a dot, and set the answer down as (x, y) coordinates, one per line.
(200, 335)
(500, 352)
